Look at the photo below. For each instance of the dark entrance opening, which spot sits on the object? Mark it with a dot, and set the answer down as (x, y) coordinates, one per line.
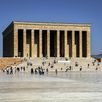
(28, 41)
(84, 43)
(20, 43)
(53, 43)
(44, 43)
(36, 42)
(61, 43)
(69, 39)
(77, 43)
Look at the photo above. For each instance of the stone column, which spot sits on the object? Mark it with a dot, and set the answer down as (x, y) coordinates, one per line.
(73, 44)
(88, 44)
(40, 43)
(65, 44)
(24, 43)
(15, 42)
(58, 43)
(80, 44)
(32, 43)
(48, 43)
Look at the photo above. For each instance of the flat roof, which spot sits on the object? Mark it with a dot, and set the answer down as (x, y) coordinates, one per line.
(52, 23)
(48, 24)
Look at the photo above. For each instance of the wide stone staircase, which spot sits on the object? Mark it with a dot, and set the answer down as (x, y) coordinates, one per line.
(63, 64)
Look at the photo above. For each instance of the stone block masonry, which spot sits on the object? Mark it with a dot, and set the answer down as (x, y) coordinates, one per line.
(29, 39)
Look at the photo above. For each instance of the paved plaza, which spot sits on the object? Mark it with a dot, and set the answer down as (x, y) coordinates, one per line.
(63, 87)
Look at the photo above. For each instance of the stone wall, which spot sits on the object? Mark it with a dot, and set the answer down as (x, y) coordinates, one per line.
(4, 62)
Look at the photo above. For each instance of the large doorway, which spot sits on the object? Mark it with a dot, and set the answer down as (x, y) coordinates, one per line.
(62, 44)
(84, 43)
(69, 39)
(28, 41)
(36, 43)
(77, 43)
(44, 43)
(20, 43)
(53, 43)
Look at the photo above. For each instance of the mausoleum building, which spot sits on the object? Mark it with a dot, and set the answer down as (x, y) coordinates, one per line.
(30, 39)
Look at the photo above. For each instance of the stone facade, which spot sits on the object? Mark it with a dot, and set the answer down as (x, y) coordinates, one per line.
(28, 39)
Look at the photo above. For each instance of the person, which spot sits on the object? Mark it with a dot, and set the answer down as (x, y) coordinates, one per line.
(3, 70)
(76, 64)
(32, 71)
(30, 64)
(39, 69)
(70, 67)
(61, 68)
(7, 71)
(47, 70)
(11, 70)
(56, 71)
(49, 64)
(23, 68)
(18, 69)
(42, 72)
(88, 65)
(96, 68)
(93, 63)
(81, 68)
(36, 71)
(98, 64)
(54, 61)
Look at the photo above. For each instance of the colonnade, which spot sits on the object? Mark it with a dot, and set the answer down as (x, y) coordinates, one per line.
(62, 43)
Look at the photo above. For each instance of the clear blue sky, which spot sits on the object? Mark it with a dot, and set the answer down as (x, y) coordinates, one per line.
(69, 11)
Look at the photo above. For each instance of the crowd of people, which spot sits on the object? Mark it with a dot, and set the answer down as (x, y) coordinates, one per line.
(41, 70)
